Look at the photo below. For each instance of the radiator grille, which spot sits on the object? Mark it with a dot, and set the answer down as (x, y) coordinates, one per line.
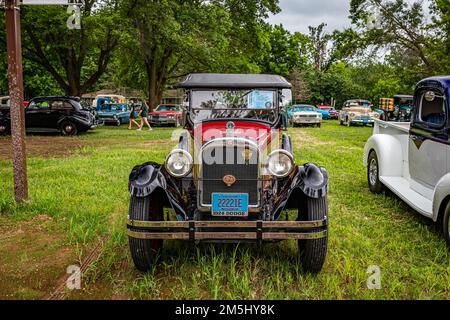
(241, 162)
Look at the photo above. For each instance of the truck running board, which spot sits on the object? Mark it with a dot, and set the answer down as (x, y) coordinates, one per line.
(228, 230)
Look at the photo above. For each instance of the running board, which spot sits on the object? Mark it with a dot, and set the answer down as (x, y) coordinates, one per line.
(235, 230)
(401, 187)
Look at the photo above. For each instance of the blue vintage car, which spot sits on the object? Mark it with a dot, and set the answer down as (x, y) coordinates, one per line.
(325, 114)
(114, 113)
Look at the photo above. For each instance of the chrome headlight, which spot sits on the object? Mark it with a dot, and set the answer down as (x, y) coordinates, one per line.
(280, 163)
(179, 163)
(352, 114)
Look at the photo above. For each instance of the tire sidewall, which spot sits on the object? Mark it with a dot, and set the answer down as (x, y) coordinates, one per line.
(445, 225)
(65, 126)
(376, 187)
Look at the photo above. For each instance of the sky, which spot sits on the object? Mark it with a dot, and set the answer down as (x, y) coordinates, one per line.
(297, 15)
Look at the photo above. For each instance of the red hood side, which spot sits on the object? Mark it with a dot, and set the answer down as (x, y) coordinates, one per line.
(259, 132)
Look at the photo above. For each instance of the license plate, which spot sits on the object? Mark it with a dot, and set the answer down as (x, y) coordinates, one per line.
(229, 204)
(365, 121)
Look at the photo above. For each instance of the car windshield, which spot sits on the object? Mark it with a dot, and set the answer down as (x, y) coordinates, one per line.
(113, 107)
(225, 104)
(361, 103)
(166, 108)
(303, 108)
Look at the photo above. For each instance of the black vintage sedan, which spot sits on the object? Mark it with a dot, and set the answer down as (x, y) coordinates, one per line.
(53, 114)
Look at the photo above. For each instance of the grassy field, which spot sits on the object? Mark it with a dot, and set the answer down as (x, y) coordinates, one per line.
(78, 194)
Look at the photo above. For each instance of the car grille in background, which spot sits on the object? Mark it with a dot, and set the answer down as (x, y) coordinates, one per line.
(307, 116)
(246, 174)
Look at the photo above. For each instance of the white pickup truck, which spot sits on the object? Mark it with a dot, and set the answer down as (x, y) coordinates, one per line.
(413, 159)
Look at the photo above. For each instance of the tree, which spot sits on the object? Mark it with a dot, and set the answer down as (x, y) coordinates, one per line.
(177, 37)
(385, 88)
(284, 53)
(75, 59)
(318, 43)
(398, 27)
(300, 86)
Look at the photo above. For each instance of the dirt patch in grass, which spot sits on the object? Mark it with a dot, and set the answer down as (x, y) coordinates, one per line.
(33, 257)
(302, 137)
(43, 146)
(47, 146)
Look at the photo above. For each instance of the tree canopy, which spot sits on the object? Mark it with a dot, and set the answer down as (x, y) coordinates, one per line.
(149, 45)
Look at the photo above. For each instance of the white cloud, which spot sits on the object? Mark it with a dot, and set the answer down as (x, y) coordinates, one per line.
(297, 15)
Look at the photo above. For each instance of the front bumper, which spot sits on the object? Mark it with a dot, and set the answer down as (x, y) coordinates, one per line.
(161, 121)
(357, 121)
(258, 231)
(109, 120)
(307, 121)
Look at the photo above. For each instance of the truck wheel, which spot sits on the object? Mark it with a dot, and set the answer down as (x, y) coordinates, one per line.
(4, 129)
(446, 224)
(68, 128)
(312, 251)
(373, 174)
(341, 122)
(145, 253)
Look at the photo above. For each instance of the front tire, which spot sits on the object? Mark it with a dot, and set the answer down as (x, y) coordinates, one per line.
(68, 128)
(373, 174)
(312, 251)
(145, 253)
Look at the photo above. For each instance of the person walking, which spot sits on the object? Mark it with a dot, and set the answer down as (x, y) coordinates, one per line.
(144, 117)
(133, 115)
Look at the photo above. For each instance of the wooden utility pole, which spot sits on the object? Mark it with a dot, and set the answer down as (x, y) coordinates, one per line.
(15, 77)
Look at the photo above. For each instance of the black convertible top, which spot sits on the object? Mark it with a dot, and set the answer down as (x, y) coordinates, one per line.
(231, 81)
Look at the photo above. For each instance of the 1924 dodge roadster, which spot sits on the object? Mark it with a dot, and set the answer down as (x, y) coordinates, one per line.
(231, 175)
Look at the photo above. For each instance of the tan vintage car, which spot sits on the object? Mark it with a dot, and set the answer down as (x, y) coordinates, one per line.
(357, 112)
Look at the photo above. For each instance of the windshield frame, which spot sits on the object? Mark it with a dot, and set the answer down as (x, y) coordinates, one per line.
(276, 107)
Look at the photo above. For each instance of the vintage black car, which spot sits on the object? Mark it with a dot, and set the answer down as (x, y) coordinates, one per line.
(231, 177)
(53, 114)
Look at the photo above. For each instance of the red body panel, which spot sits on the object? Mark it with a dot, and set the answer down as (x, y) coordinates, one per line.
(256, 131)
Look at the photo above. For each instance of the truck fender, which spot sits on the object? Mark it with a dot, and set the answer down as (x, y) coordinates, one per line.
(441, 192)
(389, 152)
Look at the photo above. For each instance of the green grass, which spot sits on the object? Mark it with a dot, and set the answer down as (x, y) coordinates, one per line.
(86, 194)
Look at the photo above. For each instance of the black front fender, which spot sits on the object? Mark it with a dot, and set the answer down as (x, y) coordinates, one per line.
(310, 180)
(151, 178)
